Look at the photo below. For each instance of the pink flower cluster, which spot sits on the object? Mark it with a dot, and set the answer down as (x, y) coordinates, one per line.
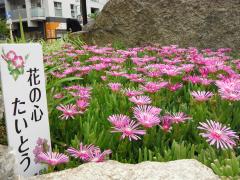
(146, 116)
(82, 96)
(170, 69)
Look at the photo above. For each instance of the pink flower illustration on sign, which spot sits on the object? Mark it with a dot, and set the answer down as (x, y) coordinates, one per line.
(15, 63)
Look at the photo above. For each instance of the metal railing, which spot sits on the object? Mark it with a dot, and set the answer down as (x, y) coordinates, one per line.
(15, 14)
(37, 12)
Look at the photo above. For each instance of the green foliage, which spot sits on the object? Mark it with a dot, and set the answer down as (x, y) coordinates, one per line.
(50, 47)
(22, 37)
(118, 45)
(76, 41)
(3, 28)
(93, 15)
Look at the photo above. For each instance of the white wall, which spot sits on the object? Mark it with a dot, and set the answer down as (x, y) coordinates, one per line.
(66, 9)
(93, 4)
(48, 5)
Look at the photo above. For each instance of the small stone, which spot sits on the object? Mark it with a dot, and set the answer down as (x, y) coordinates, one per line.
(187, 169)
(7, 163)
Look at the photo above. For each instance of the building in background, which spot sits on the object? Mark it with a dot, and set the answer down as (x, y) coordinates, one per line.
(2, 9)
(48, 18)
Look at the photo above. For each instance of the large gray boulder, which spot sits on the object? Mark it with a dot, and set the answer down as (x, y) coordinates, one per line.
(112, 170)
(198, 23)
(7, 163)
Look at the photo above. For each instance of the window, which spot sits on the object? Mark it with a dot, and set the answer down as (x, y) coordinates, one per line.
(58, 9)
(73, 10)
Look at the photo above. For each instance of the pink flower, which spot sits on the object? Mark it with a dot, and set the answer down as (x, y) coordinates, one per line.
(147, 115)
(179, 117)
(130, 93)
(219, 134)
(140, 100)
(69, 111)
(82, 93)
(229, 89)
(166, 123)
(104, 78)
(58, 96)
(18, 61)
(174, 87)
(98, 156)
(148, 109)
(82, 104)
(80, 52)
(147, 119)
(53, 158)
(119, 120)
(201, 95)
(115, 86)
(42, 146)
(193, 79)
(11, 55)
(84, 151)
(153, 87)
(131, 130)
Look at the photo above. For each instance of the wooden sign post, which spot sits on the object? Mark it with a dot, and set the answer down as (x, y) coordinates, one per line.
(25, 103)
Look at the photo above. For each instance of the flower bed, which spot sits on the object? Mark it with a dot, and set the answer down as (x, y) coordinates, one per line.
(145, 103)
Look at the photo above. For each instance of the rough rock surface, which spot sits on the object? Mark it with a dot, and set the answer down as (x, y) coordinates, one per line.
(1, 105)
(112, 170)
(7, 162)
(195, 23)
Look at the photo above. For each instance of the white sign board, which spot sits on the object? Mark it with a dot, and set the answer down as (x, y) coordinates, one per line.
(25, 103)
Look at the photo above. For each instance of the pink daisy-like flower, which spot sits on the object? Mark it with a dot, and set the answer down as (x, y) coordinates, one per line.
(202, 95)
(147, 119)
(229, 89)
(82, 104)
(98, 156)
(140, 100)
(115, 86)
(104, 78)
(219, 134)
(166, 123)
(84, 151)
(151, 87)
(148, 109)
(53, 158)
(179, 117)
(131, 130)
(119, 120)
(174, 87)
(69, 111)
(42, 146)
(130, 92)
